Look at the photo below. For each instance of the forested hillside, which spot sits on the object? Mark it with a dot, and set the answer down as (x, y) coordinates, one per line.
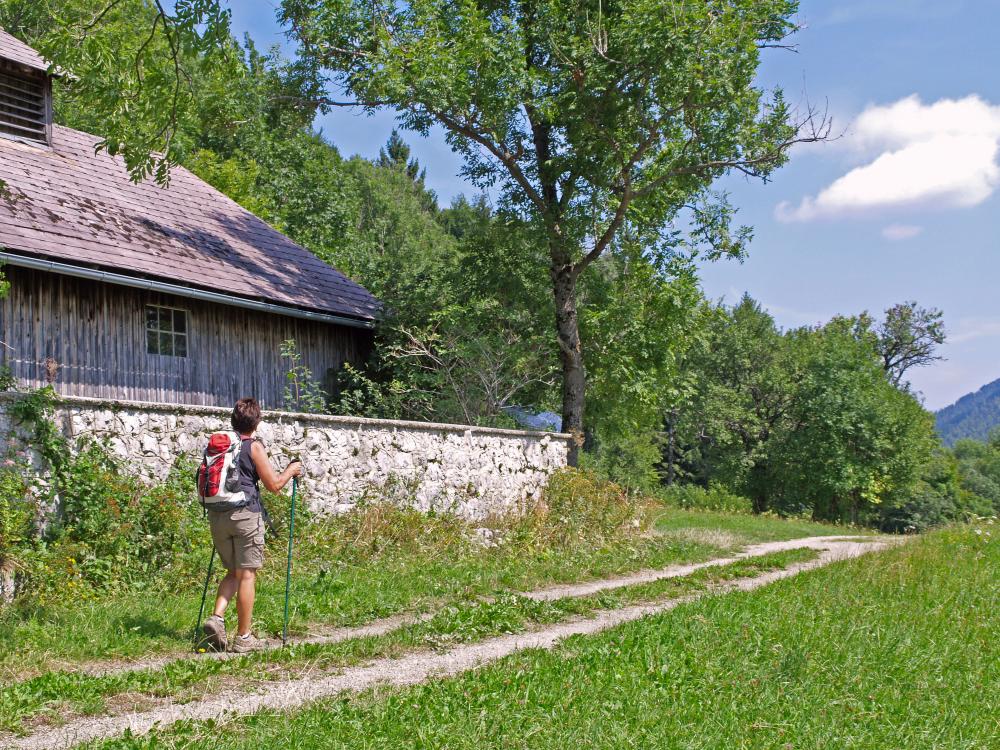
(974, 415)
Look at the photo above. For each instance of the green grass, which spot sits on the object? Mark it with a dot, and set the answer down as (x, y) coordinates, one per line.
(356, 570)
(895, 650)
(747, 528)
(56, 695)
(133, 624)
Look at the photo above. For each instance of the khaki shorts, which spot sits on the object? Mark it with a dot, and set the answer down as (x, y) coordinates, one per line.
(239, 538)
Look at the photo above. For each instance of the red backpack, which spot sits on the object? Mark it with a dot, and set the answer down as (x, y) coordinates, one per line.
(218, 477)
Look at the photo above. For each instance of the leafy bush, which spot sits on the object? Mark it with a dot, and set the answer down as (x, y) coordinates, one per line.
(302, 392)
(382, 530)
(111, 529)
(17, 513)
(693, 497)
(115, 530)
(580, 507)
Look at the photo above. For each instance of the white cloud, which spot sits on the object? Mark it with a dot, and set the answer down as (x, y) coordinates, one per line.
(899, 232)
(942, 154)
(970, 329)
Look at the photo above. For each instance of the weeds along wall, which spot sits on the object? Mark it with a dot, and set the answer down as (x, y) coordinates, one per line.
(472, 471)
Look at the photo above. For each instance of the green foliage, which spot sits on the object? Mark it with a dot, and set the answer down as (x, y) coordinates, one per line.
(855, 440)
(17, 515)
(716, 498)
(121, 531)
(908, 337)
(302, 392)
(109, 528)
(813, 420)
(354, 393)
(585, 150)
(580, 508)
(942, 495)
(974, 416)
(978, 467)
(8, 381)
(639, 322)
(739, 380)
(133, 60)
(34, 410)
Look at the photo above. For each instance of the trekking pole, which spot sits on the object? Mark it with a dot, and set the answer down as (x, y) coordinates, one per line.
(288, 570)
(204, 596)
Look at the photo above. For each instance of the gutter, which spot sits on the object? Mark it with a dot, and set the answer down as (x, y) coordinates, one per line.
(181, 291)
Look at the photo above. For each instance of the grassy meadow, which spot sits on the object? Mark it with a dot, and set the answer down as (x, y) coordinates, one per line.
(54, 697)
(382, 560)
(895, 650)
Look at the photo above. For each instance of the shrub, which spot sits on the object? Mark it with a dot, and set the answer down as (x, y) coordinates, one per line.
(17, 515)
(126, 530)
(693, 497)
(580, 507)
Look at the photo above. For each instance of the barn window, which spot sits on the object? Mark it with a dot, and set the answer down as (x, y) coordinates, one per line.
(24, 106)
(166, 331)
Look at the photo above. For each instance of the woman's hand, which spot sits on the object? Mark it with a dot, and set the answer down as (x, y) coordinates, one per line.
(271, 480)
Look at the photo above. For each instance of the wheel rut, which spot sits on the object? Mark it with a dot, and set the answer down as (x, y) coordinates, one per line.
(418, 667)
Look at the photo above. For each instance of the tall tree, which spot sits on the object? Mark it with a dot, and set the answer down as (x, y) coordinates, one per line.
(908, 337)
(743, 388)
(586, 117)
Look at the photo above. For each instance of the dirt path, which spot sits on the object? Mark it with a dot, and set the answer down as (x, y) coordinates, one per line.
(418, 667)
(386, 625)
(677, 571)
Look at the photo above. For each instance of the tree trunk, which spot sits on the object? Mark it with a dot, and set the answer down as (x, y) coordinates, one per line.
(574, 379)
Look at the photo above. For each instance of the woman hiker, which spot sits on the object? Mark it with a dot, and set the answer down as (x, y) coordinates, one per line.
(238, 534)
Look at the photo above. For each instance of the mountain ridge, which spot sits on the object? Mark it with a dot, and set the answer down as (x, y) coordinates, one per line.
(974, 415)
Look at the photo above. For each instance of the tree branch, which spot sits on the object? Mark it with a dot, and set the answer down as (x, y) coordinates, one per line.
(506, 158)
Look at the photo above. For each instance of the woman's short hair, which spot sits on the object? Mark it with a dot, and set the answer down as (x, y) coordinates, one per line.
(246, 415)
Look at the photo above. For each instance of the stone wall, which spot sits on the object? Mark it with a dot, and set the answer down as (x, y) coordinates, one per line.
(470, 470)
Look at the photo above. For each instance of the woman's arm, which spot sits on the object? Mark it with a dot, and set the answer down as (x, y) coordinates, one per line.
(272, 480)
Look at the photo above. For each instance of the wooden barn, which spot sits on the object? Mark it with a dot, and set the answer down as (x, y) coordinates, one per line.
(132, 291)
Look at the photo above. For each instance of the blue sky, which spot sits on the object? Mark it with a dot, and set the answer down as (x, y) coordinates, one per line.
(904, 205)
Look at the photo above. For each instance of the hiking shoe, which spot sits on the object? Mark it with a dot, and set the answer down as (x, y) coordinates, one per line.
(215, 634)
(245, 644)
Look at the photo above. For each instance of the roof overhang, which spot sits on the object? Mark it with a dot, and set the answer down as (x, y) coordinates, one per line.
(109, 277)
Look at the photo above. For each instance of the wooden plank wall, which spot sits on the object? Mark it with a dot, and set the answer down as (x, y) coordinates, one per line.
(97, 334)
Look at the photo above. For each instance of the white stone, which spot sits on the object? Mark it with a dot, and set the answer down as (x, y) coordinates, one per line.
(150, 445)
(471, 470)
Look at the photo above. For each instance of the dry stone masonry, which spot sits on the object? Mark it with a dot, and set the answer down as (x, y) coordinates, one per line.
(473, 471)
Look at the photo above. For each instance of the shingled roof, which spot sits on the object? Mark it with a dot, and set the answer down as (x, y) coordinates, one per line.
(72, 205)
(69, 204)
(12, 48)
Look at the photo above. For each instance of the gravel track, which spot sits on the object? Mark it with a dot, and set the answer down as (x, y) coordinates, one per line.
(326, 636)
(677, 571)
(418, 667)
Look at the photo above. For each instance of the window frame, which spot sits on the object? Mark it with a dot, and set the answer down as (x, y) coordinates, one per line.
(173, 334)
